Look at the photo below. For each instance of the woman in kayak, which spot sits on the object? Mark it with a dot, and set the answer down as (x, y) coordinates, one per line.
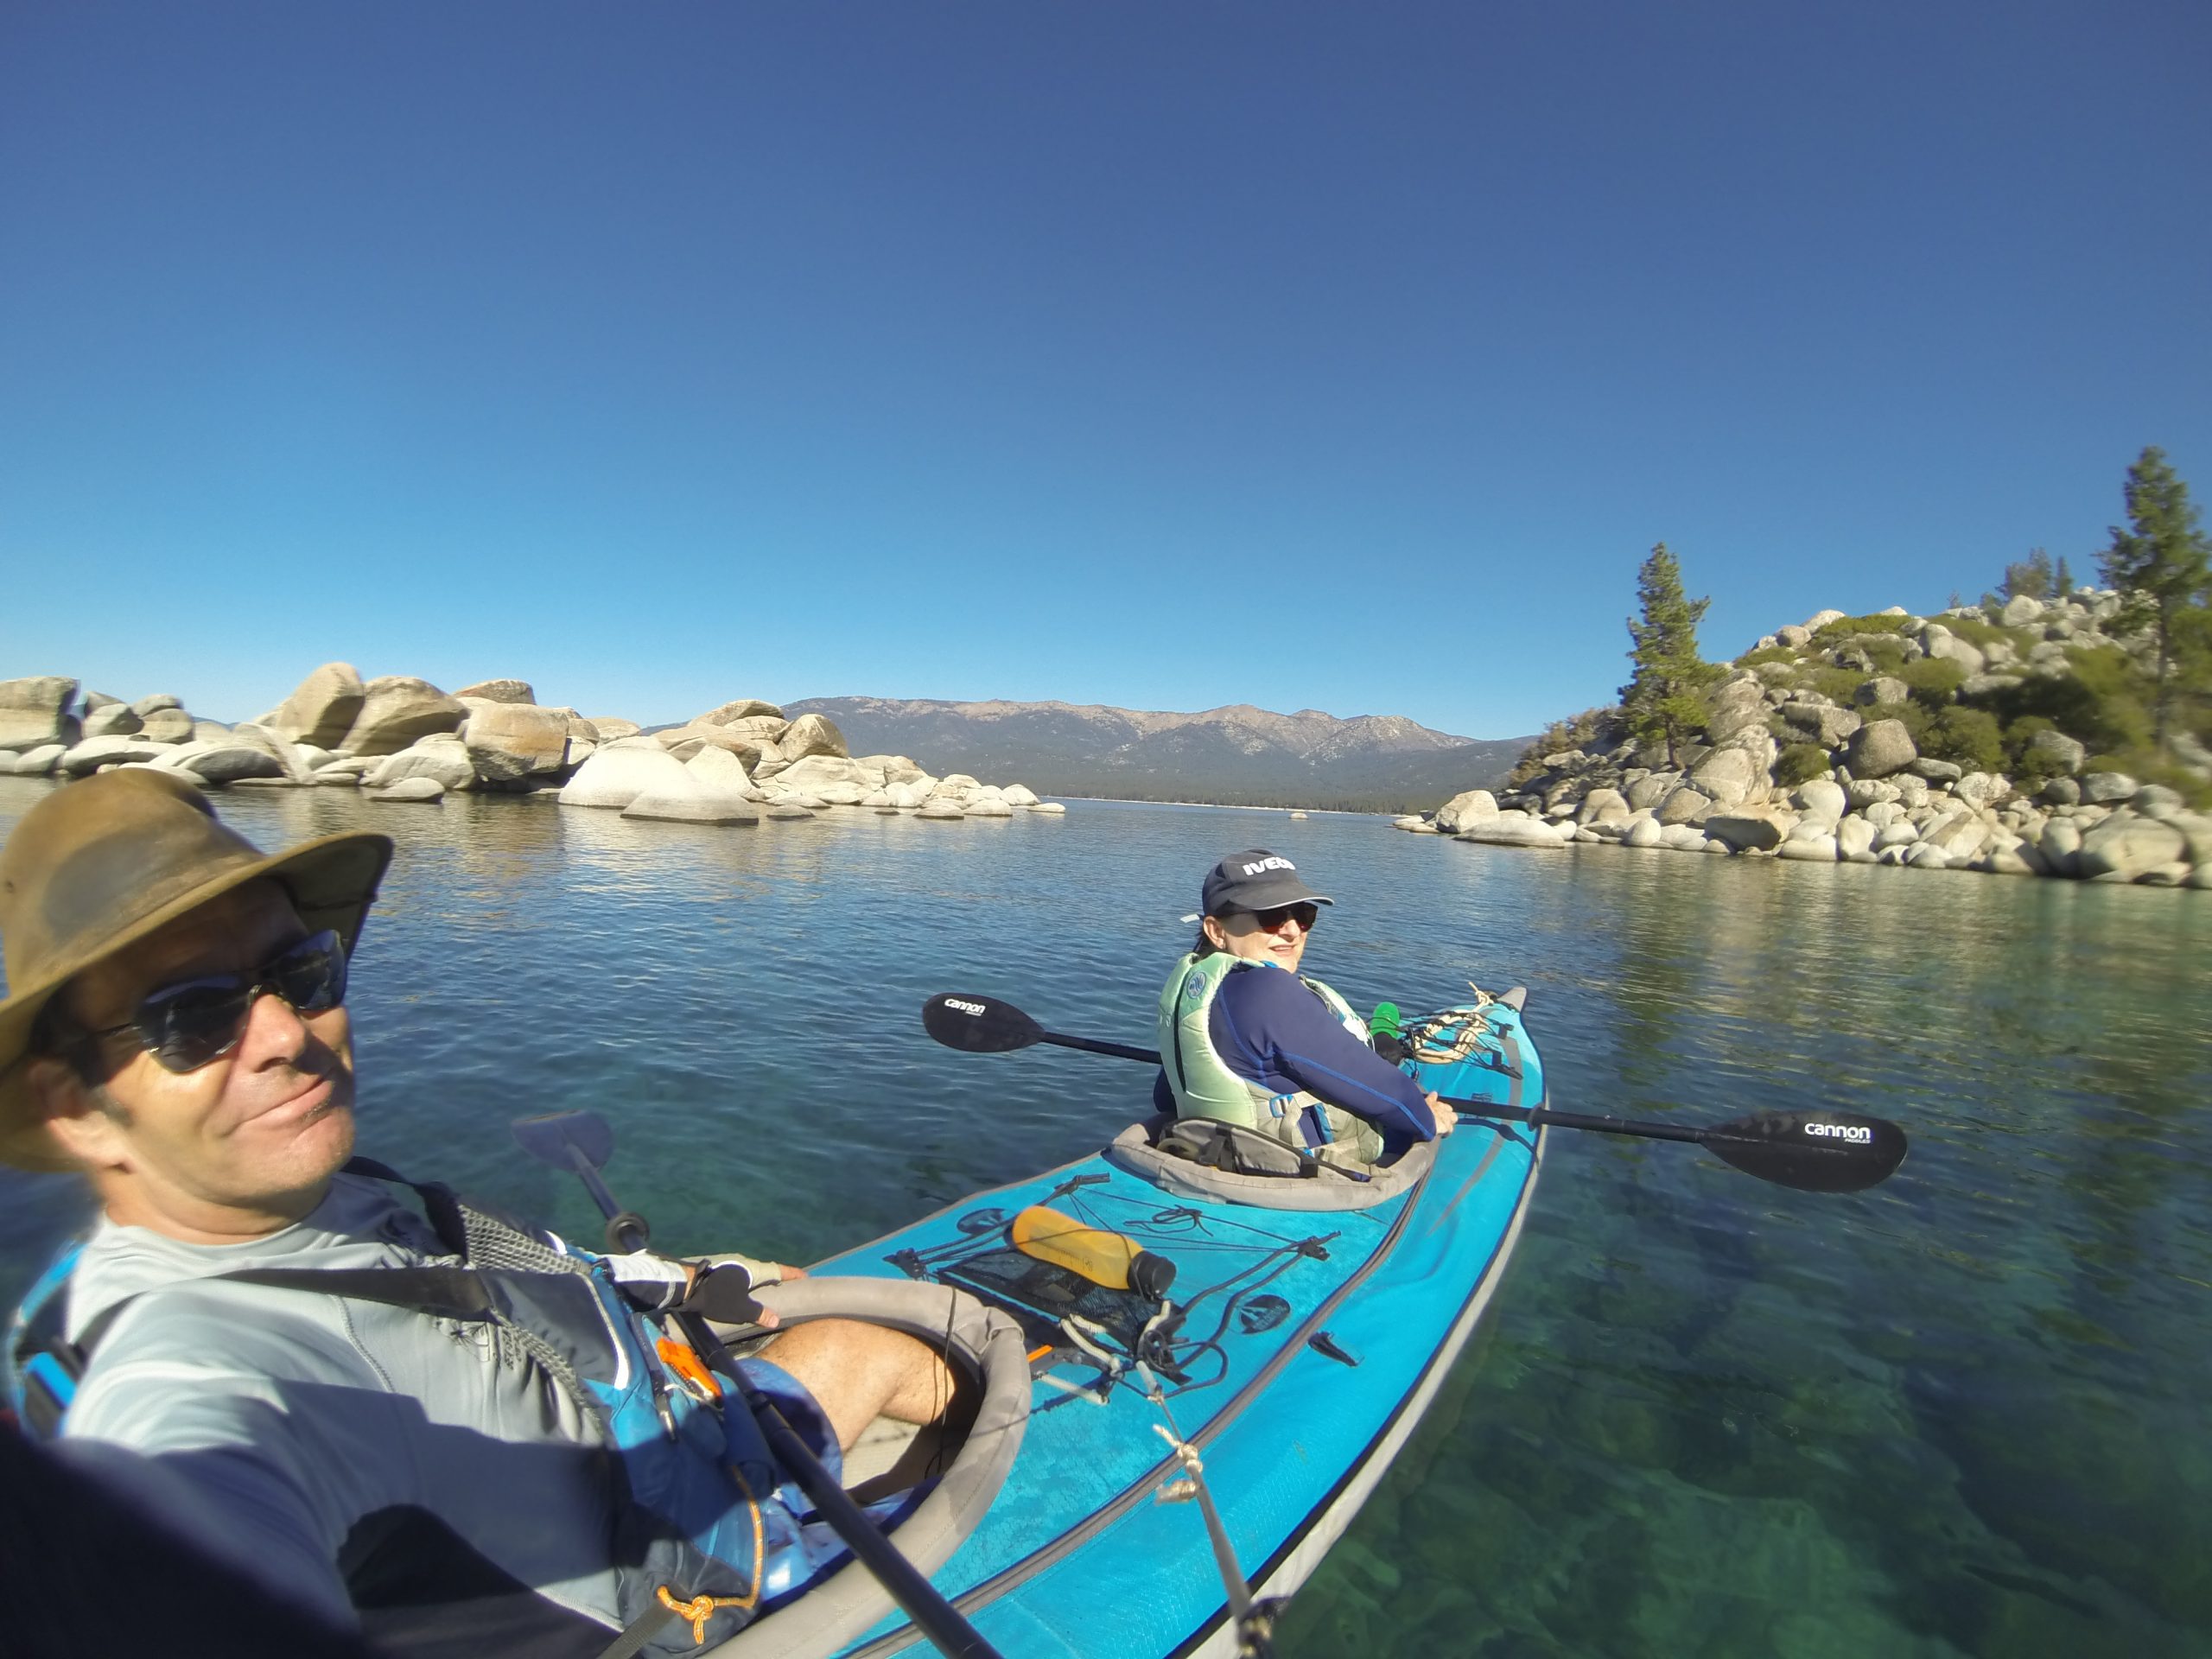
(1278, 1052)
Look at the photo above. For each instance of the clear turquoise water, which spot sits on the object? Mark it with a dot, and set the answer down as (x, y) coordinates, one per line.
(1961, 1414)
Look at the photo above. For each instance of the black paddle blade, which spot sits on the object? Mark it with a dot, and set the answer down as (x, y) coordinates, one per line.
(979, 1025)
(1814, 1152)
(548, 1139)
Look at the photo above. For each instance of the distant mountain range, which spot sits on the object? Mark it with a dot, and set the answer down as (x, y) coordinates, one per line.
(1237, 756)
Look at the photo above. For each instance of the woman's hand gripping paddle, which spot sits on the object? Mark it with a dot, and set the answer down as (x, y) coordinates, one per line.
(1811, 1151)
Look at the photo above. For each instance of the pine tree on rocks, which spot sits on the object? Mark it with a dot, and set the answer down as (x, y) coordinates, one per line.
(2164, 566)
(2031, 577)
(1665, 700)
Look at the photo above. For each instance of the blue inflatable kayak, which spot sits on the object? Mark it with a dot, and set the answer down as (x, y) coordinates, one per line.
(1311, 1319)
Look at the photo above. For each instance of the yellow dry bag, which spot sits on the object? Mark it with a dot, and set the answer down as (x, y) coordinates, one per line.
(1103, 1258)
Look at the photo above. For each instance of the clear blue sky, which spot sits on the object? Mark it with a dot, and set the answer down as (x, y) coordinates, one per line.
(1337, 355)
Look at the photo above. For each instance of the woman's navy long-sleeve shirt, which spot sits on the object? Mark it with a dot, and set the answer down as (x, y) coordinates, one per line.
(1269, 1029)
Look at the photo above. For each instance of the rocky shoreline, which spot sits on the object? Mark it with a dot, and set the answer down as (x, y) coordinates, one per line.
(1876, 798)
(402, 739)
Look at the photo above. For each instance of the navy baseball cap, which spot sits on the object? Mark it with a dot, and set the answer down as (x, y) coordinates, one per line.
(1255, 879)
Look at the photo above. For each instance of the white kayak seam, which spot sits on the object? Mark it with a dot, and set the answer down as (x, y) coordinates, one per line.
(1284, 1571)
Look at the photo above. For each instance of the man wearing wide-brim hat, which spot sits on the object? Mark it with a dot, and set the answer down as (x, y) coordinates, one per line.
(230, 1348)
(94, 884)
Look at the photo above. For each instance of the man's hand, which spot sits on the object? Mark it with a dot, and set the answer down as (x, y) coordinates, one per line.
(721, 1289)
(1447, 1119)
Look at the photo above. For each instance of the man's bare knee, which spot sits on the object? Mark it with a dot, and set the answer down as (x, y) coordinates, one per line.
(859, 1372)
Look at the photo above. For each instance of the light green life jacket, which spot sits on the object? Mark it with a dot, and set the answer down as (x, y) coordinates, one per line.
(1205, 1087)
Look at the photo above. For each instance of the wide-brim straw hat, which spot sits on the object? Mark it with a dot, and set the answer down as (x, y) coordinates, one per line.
(99, 865)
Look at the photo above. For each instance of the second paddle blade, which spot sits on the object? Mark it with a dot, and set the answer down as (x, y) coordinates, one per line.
(549, 1139)
(1814, 1152)
(978, 1025)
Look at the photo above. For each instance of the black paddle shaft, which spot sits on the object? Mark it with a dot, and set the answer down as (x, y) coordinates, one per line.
(921, 1600)
(1813, 1151)
(1544, 1116)
(1092, 1045)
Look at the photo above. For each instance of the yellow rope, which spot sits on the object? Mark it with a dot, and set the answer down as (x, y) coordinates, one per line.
(697, 1611)
(1470, 1023)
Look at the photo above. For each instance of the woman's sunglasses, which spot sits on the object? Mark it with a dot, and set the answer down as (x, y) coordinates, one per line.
(186, 1024)
(1271, 921)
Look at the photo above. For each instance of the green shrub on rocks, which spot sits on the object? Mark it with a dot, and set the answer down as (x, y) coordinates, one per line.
(1799, 763)
(1833, 633)
(1934, 680)
(1885, 651)
(1956, 732)
(2030, 767)
(1766, 654)
(1837, 684)
(2145, 765)
(2105, 700)
(1978, 631)
(1576, 731)
(2113, 697)
(1968, 736)
(1917, 718)
(1914, 715)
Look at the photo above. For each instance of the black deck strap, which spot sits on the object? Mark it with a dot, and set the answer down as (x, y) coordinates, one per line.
(95, 1328)
(1498, 1126)
(438, 1201)
(1510, 1052)
(638, 1632)
(441, 1293)
(1322, 1343)
(375, 1171)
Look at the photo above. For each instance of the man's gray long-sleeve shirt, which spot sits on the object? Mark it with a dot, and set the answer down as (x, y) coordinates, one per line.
(278, 1427)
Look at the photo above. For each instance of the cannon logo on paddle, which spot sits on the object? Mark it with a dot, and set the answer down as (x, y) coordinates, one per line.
(1856, 1134)
(975, 1008)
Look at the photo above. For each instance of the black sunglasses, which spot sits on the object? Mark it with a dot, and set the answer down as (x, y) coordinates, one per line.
(186, 1024)
(1271, 921)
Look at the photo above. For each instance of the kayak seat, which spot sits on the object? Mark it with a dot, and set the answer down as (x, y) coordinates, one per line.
(948, 1486)
(1223, 1163)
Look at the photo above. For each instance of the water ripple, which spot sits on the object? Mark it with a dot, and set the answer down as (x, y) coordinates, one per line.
(1958, 1415)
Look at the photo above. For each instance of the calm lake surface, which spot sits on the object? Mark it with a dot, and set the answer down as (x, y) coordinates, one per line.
(1962, 1413)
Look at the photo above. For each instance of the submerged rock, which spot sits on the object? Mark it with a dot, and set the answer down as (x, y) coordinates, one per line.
(410, 789)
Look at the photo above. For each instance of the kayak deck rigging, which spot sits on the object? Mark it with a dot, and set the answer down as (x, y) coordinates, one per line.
(1303, 1346)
